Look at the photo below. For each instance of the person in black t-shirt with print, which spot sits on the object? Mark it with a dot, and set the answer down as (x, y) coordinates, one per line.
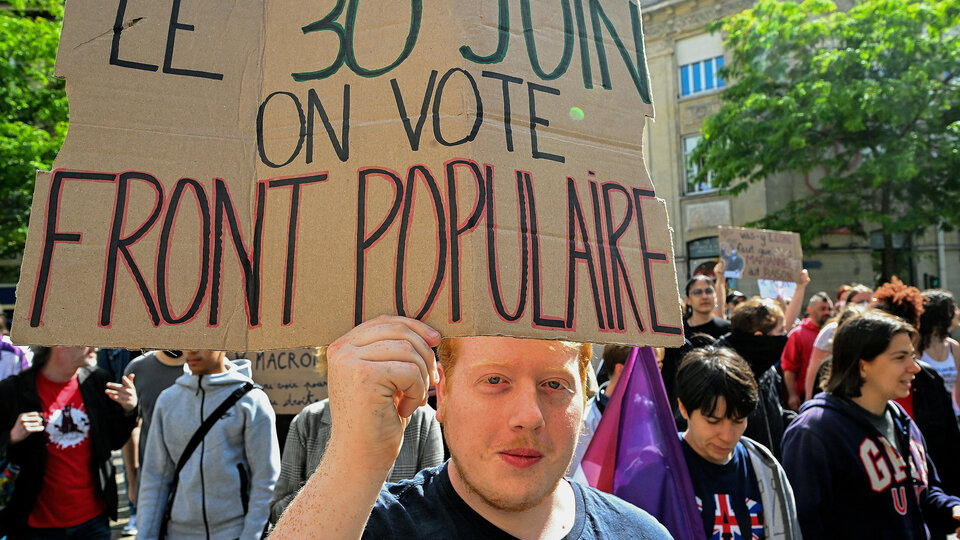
(741, 490)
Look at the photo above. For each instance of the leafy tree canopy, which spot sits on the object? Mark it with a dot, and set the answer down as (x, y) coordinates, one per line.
(33, 112)
(866, 100)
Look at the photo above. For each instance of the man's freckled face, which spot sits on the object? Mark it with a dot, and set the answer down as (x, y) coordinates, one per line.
(511, 411)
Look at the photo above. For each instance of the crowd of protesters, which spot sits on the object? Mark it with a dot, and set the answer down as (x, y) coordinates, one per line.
(842, 424)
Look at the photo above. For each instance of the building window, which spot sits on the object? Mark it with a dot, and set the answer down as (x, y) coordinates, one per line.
(701, 76)
(696, 182)
(702, 255)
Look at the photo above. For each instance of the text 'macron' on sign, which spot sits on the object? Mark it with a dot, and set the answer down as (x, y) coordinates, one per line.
(258, 175)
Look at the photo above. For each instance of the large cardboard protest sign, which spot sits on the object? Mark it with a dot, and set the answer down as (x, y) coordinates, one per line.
(761, 254)
(292, 378)
(259, 175)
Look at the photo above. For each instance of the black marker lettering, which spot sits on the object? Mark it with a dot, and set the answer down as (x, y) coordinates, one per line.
(303, 130)
(507, 124)
(617, 266)
(601, 253)
(436, 109)
(492, 266)
(52, 237)
(536, 120)
(364, 242)
(413, 133)
(292, 227)
(250, 262)
(456, 229)
(342, 145)
(120, 246)
(538, 318)
(639, 195)
(163, 250)
(171, 37)
(118, 27)
(423, 172)
(575, 225)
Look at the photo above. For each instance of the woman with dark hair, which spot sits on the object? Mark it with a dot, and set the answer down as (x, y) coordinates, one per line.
(858, 464)
(942, 352)
(701, 301)
(701, 311)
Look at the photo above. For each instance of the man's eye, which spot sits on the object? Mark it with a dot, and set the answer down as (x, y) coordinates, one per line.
(493, 379)
(555, 385)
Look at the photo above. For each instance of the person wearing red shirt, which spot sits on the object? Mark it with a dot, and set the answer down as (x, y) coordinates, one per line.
(796, 355)
(59, 421)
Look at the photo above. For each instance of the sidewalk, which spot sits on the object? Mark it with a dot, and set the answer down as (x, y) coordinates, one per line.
(116, 527)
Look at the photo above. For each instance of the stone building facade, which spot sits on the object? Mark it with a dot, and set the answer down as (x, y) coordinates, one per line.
(683, 58)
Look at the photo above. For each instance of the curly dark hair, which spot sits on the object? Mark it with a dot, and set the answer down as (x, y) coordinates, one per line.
(939, 308)
(899, 299)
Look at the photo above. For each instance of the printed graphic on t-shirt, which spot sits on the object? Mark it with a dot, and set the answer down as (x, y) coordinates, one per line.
(725, 525)
(67, 427)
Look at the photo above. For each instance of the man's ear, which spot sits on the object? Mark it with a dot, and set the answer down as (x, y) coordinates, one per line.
(683, 411)
(441, 392)
(617, 370)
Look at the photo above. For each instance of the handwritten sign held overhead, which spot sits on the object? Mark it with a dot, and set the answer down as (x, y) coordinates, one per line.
(761, 254)
(261, 175)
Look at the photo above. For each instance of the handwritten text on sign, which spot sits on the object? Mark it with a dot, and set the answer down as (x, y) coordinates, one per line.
(244, 192)
(292, 378)
(761, 254)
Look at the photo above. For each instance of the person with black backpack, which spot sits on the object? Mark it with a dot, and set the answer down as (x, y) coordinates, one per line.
(212, 458)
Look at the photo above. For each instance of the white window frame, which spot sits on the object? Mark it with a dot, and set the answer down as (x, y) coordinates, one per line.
(692, 170)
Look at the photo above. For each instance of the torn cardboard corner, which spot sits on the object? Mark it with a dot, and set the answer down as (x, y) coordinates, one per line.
(761, 254)
(268, 176)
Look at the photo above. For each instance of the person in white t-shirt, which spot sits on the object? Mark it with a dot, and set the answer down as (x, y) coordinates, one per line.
(940, 316)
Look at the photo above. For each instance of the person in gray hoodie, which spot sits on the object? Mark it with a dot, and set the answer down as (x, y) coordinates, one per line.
(225, 487)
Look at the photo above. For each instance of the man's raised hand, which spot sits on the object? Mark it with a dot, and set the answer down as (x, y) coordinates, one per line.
(378, 374)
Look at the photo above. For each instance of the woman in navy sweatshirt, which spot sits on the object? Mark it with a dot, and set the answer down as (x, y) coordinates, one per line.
(857, 462)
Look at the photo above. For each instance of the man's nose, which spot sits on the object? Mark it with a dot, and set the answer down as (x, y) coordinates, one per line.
(526, 408)
(728, 433)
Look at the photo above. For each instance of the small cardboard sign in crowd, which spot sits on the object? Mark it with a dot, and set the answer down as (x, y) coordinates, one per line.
(262, 175)
(291, 378)
(760, 254)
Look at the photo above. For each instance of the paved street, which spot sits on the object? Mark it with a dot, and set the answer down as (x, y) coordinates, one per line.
(124, 512)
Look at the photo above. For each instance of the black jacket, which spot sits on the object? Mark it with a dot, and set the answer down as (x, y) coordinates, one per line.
(110, 428)
(933, 414)
(768, 422)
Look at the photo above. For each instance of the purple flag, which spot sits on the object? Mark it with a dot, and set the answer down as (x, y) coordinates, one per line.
(635, 453)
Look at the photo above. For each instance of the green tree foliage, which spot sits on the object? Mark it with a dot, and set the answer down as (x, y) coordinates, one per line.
(33, 112)
(867, 100)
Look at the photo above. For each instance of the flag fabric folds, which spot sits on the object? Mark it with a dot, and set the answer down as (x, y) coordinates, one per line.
(635, 453)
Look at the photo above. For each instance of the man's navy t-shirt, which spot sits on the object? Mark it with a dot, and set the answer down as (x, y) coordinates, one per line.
(728, 495)
(428, 507)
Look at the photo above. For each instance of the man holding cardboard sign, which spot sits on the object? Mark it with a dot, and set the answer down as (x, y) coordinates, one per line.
(511, 410)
